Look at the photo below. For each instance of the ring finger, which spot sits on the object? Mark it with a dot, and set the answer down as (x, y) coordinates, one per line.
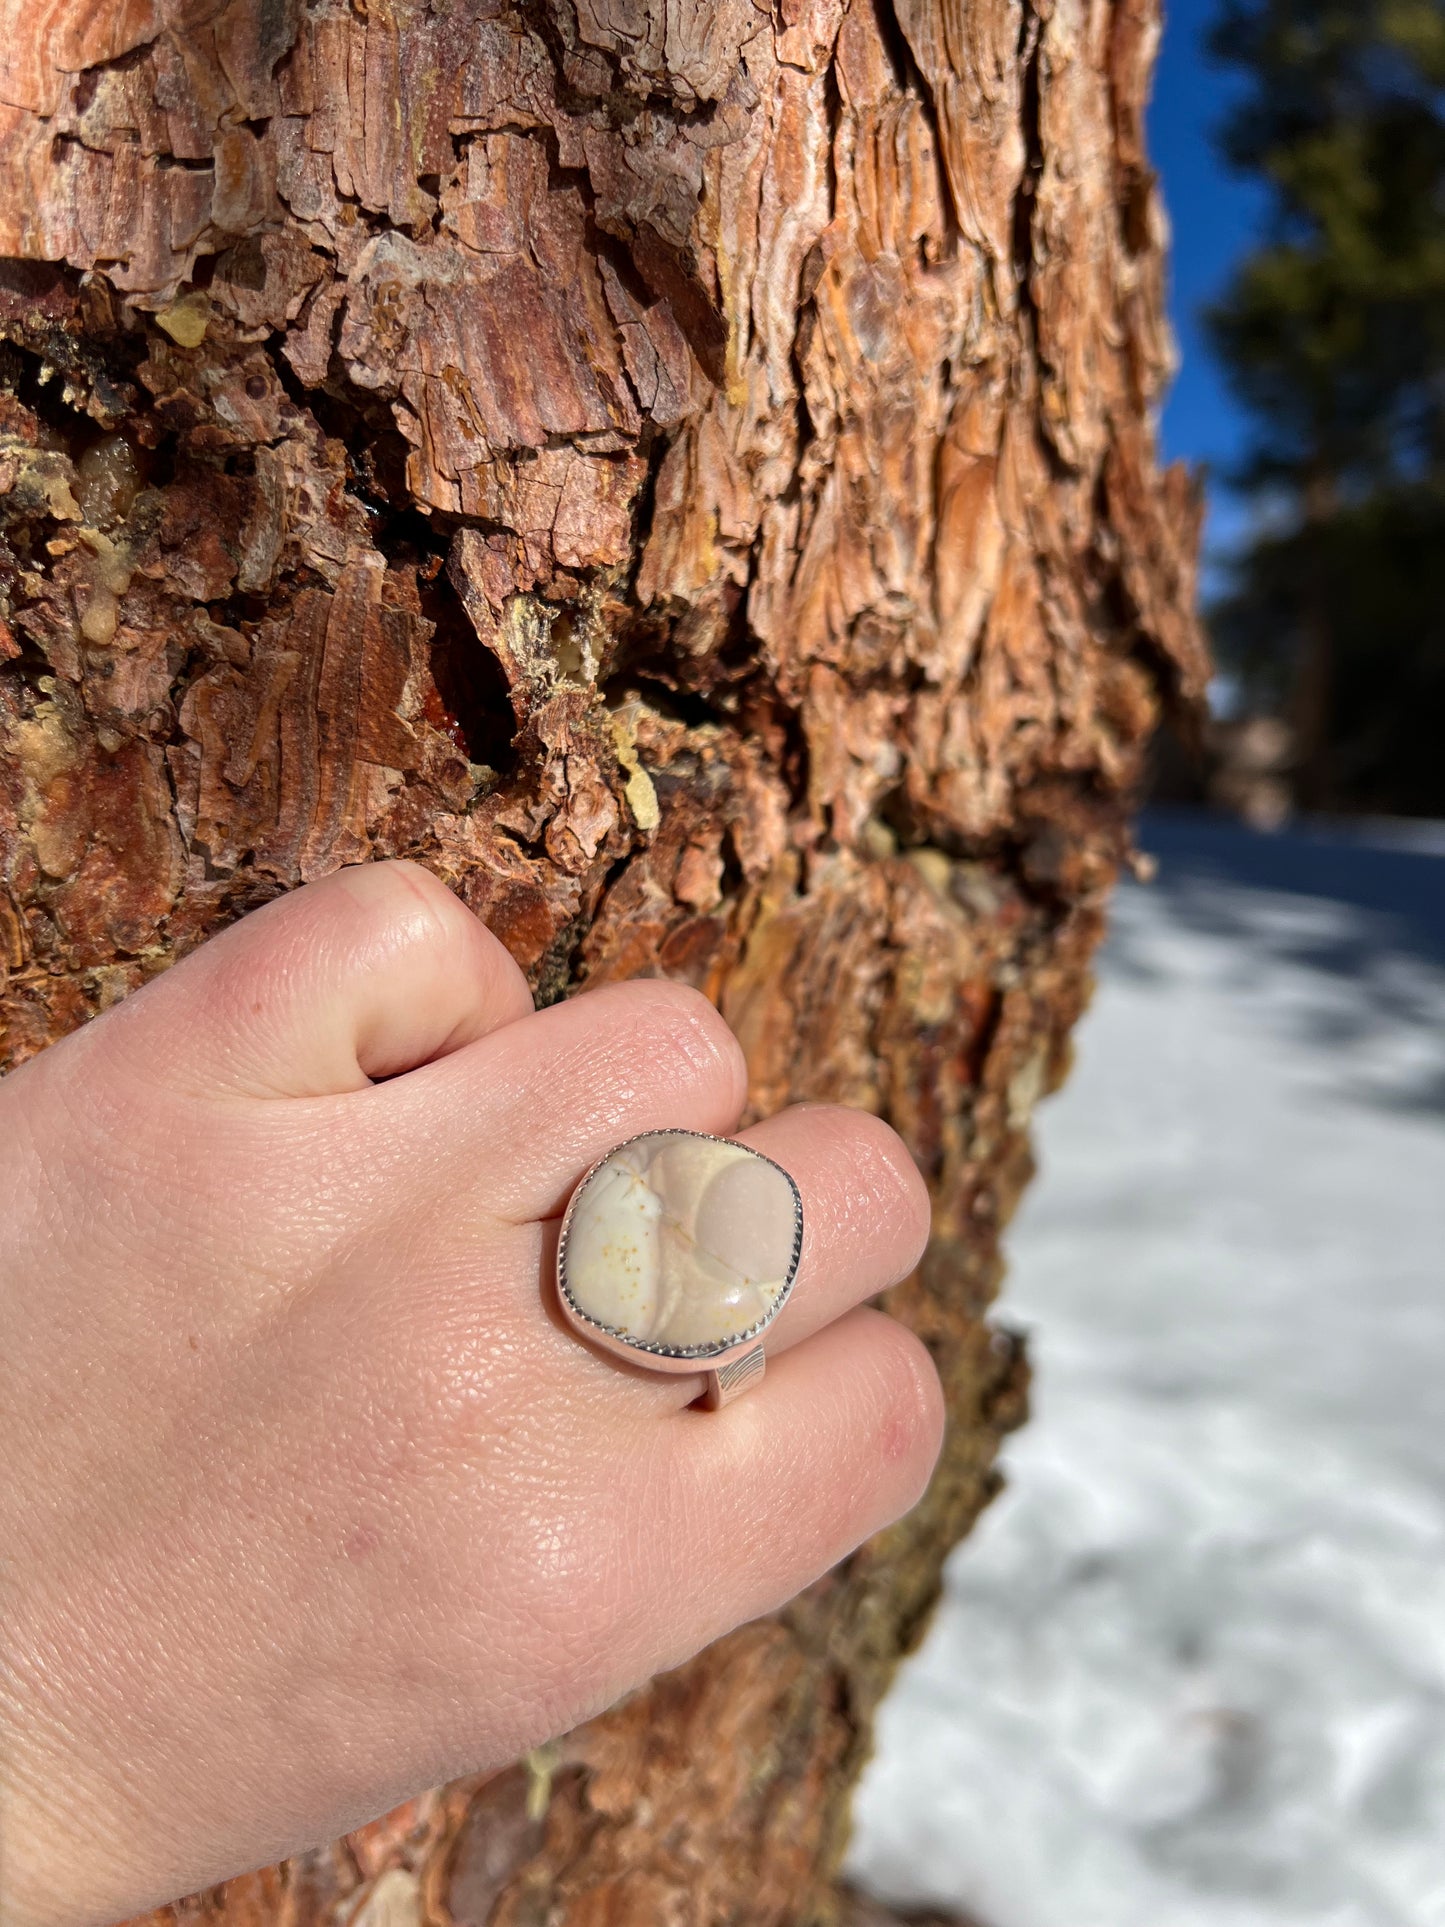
(865, 1211)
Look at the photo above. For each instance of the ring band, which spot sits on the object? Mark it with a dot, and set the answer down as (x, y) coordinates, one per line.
(731, 1381)
(677, 1251)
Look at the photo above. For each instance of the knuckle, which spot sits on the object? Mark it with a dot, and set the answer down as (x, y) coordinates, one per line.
(895, 1158)
(409, 911)
(681, 1026)
(880, 1163)
(912, 1202)
(402, 899)
(911, 1393)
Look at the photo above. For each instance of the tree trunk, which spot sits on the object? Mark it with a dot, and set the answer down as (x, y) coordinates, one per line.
(683, 471)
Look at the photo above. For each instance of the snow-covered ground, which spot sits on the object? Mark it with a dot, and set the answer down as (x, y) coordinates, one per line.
(1190, 1671)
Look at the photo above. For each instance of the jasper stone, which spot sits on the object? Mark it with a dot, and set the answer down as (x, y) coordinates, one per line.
(682, 1243)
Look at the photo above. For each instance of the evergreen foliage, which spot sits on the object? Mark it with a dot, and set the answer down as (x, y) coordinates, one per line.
(1333, 335)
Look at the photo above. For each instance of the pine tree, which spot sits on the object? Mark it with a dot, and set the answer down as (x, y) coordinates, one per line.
(1333, 333)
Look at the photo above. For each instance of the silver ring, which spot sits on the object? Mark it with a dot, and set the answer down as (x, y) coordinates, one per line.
(677, 1251)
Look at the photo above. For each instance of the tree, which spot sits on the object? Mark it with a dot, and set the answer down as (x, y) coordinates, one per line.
(1334, 334)
(684, 473)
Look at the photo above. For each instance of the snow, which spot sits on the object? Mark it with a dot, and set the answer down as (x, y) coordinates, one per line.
(1190, 1669)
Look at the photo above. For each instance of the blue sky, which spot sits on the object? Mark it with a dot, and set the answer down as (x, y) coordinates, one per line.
(1215, 217)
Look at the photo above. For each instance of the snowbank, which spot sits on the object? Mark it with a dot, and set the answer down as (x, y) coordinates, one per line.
(1190, 1672)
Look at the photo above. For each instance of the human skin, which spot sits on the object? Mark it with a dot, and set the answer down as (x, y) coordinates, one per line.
(311, 1499)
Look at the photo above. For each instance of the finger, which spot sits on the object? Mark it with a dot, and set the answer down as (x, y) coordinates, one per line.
(374, 970)
(865, 1211)
(754, 1502)
(516, 1119)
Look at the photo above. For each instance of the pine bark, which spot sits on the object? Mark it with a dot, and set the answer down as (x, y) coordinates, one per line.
(684, 472)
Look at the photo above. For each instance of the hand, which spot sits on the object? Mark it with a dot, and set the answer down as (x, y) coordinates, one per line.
(310, 1499)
